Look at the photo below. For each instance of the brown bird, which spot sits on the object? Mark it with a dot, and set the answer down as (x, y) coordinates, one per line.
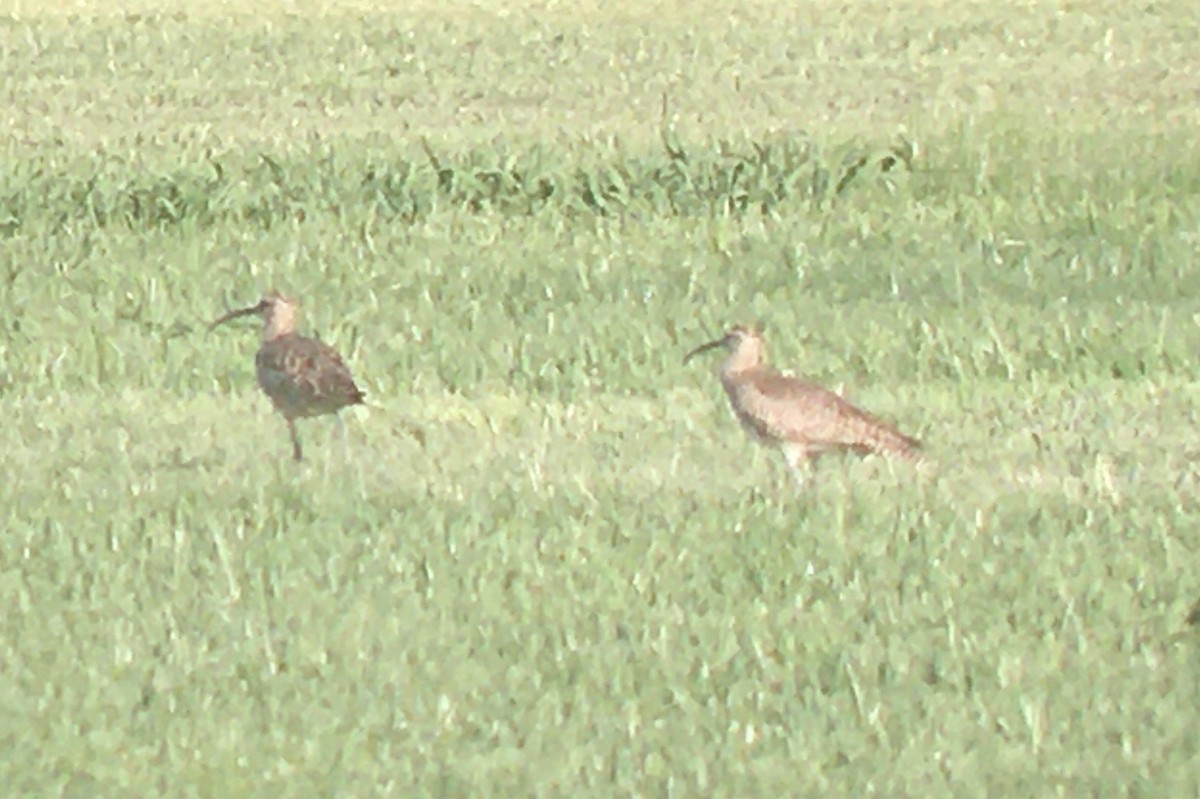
(803, 419)
(301, 376)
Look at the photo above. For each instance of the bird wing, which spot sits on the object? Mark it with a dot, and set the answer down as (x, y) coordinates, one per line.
(785, 408)
(305, 377)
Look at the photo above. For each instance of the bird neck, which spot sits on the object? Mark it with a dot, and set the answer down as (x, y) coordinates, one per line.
(748, 355)
(279, 324)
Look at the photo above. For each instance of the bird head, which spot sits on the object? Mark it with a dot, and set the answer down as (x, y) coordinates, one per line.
(277, 311)
(736, 339)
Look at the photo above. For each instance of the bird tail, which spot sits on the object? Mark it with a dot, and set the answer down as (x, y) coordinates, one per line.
(886, 440)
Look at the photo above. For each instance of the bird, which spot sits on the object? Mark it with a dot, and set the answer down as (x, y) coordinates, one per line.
(303, 377)
(802, 418)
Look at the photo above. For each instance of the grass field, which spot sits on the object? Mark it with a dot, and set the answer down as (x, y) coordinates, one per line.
(545, 561)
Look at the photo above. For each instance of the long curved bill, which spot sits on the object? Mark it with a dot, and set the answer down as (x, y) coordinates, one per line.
(705, 348)
(253, 309)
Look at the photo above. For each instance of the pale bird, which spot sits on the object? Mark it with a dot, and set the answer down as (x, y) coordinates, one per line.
(302, 376)
(803, 419)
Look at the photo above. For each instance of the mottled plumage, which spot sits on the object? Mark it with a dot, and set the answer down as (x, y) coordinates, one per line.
(302, 376)
(803, 419)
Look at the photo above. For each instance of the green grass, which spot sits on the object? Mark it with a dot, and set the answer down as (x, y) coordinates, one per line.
(545, 561)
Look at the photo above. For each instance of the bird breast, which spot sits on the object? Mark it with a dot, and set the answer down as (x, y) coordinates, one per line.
(751, 410)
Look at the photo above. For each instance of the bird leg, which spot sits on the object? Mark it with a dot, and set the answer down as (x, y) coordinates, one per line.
(343, 434)
(799, 463)
(295, 440)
